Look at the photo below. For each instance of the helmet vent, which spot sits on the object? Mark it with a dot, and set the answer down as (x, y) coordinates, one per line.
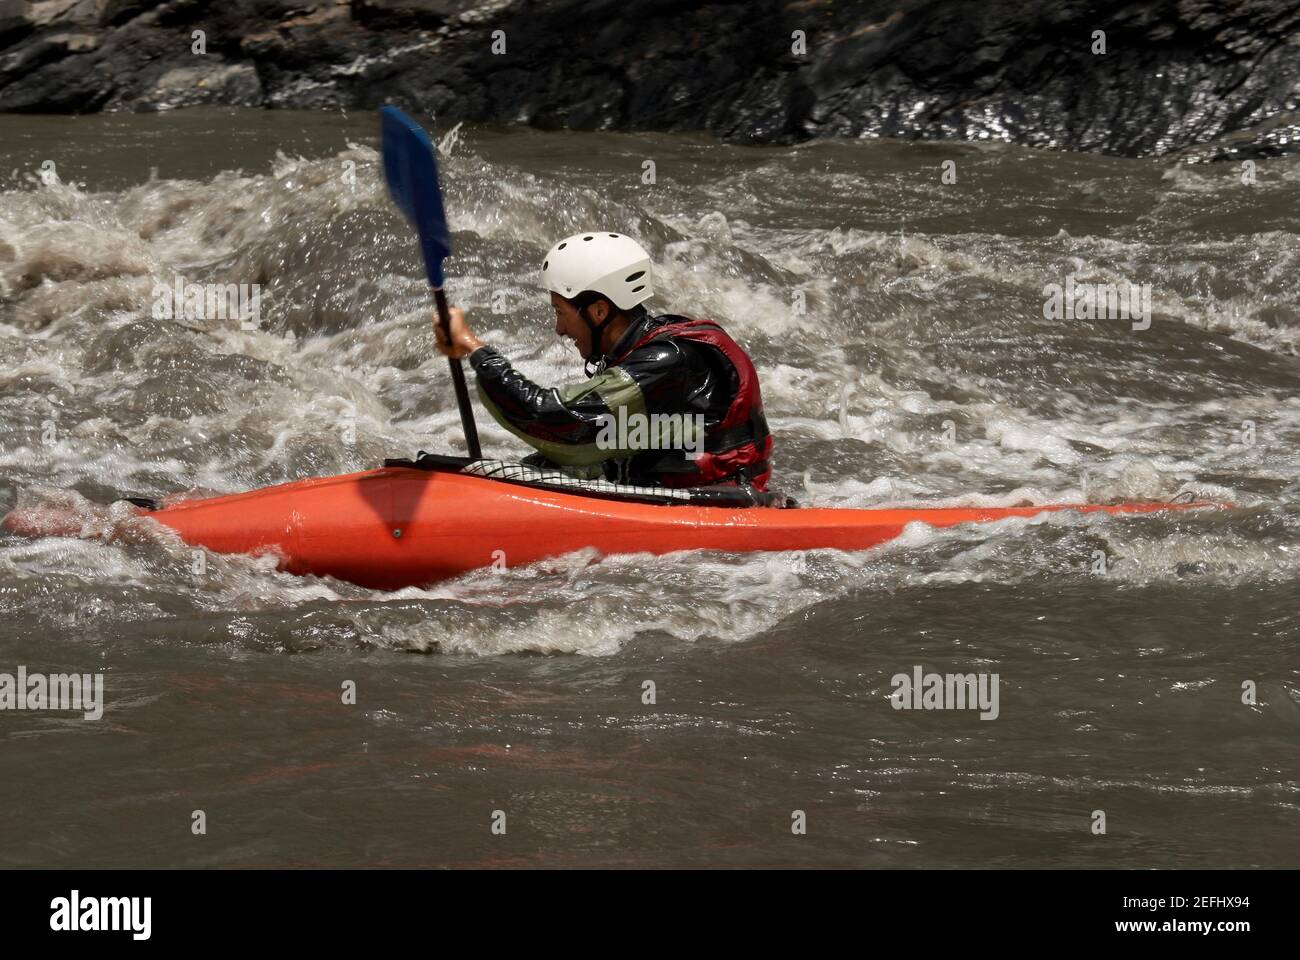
(636, 276)
(614, 235)
(545, 264)
(638, 289)
(589, 238)
(563, 245)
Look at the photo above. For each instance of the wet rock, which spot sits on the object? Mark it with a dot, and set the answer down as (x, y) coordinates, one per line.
(47, 12)
(14, 22)
(115, 12)
(1207, 80)
(234, 84)
(405, 13)
(75, 42)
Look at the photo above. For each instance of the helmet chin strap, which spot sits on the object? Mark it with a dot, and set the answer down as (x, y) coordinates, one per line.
(595, 357)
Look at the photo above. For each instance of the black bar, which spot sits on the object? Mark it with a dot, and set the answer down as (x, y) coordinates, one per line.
(912, 912)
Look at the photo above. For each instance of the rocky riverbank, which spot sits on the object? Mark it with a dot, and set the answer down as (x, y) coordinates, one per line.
(1213, 80)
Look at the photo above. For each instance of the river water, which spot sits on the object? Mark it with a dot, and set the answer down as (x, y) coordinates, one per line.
(898, 325)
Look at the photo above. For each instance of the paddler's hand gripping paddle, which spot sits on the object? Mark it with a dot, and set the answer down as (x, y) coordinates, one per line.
(412, 175)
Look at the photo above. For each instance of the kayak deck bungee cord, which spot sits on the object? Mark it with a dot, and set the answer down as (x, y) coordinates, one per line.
(414, 522)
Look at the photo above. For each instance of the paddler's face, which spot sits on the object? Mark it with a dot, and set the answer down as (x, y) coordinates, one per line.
(570, 326)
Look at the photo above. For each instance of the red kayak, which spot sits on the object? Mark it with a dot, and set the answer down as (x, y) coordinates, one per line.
(404, 526)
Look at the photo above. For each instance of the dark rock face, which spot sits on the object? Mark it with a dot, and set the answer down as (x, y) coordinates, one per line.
(1215, 79)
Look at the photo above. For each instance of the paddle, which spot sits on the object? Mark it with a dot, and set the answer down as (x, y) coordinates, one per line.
(412, 175)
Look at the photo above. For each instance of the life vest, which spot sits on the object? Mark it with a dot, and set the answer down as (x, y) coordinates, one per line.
(737, 448)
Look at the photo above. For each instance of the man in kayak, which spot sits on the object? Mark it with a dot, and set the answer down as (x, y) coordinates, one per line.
(670, 401)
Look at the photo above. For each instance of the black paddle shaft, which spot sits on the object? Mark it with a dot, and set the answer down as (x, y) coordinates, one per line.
(458, 379)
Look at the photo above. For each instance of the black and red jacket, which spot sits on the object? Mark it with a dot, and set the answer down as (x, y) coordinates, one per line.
(661, 365)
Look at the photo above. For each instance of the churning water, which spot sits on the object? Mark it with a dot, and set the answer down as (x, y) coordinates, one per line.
(897, 321)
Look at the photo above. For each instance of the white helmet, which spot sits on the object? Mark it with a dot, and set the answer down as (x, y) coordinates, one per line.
(608, 263)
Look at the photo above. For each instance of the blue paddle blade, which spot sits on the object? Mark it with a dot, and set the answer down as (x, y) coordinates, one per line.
(412, 175)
